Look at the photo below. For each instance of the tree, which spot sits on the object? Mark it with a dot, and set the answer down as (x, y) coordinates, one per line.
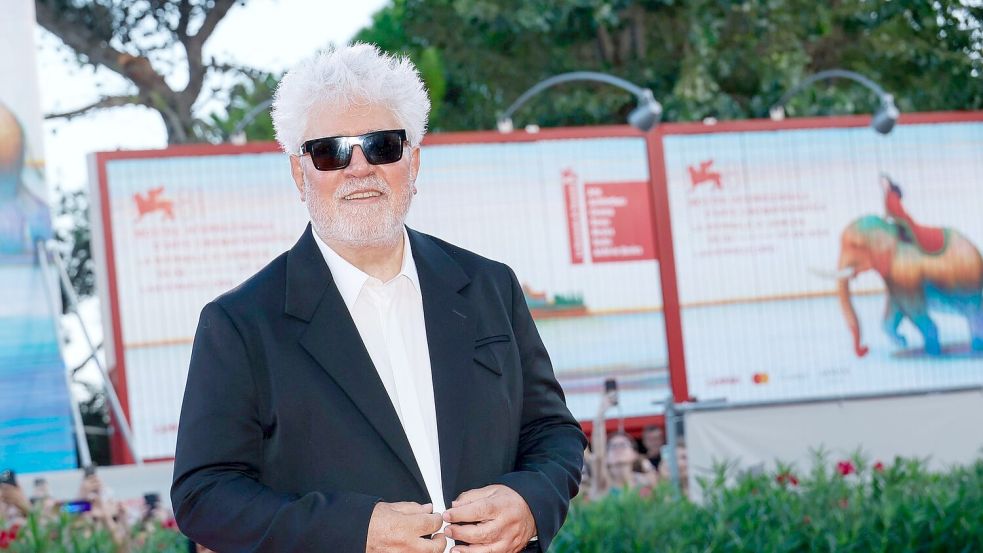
(76, 234)
(140, 41)
(249, 98)
(94, 411)
(702, 58)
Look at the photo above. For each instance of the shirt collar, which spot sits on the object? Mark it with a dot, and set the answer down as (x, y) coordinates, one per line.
(350, 279)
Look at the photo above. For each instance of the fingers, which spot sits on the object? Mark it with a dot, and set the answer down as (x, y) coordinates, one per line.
(480, 510)
(484, 533)
(417, 518)
(475, 549)
(411, 508)
(437, 544)
(420, 545)
(425, 524)
(473, 495)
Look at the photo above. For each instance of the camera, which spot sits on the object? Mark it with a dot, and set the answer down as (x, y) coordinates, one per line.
(611, 389)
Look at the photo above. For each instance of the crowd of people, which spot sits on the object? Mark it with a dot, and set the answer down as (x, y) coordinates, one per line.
(616, 462)
(128, 523)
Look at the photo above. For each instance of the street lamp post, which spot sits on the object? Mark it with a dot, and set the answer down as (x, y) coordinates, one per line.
(884, 118)
(645, 116)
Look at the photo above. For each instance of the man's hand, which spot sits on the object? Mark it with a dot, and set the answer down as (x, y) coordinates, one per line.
(404, 526)
(492, 519)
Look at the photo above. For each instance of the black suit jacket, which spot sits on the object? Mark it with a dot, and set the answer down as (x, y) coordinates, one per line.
(288, 438)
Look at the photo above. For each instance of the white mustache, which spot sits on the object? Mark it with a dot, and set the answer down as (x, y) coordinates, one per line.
(354, 185)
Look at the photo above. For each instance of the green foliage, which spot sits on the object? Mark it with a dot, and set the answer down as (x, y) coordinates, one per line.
(389, 33)
(722, 58)
(874, 508)
(870, 508)
(75, 534)
(73, 231)
(245, 98)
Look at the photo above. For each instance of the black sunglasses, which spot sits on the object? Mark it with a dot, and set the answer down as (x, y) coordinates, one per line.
(335, 152)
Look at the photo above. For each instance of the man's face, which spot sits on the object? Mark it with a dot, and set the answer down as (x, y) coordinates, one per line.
(362, 204)
(653, 440)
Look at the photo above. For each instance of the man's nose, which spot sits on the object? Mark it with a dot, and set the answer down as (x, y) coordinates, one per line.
(359, 166)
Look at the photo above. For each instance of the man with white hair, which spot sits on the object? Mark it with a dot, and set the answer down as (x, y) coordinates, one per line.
(373, 388)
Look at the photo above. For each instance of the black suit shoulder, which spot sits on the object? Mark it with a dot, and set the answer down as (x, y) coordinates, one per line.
(474, 265)
(261, 294)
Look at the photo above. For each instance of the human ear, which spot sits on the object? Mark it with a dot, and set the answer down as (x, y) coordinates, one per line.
(297, 171)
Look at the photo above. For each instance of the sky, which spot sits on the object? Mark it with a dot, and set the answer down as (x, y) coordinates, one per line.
(266, 34)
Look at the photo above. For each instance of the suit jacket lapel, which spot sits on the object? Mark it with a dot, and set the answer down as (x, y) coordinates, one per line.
(450, 324)
(333, 340)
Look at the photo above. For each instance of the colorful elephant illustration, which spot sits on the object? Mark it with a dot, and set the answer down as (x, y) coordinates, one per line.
(923, 268)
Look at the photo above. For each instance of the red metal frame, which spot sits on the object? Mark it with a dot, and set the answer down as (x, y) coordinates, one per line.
(671, 312)
(662, 226)
(632, 425)
(118, 450)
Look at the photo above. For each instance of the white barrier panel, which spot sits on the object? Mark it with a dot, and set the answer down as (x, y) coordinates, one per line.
(943, 428)
(124, 483)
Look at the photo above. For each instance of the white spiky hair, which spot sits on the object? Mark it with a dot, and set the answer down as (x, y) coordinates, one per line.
(341, 77)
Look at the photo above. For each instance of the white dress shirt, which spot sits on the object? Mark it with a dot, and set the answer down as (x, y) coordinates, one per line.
(389, 318)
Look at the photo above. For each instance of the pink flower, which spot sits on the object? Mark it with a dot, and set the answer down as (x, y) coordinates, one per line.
(879, 466)
(645, 491)
(845, 468)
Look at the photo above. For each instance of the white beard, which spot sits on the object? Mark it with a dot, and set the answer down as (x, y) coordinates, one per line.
(379, 224)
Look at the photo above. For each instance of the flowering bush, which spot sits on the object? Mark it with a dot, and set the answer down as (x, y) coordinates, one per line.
(72, 534)
(843, 505)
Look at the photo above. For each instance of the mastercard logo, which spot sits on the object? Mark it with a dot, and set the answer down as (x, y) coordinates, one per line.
(760, 378)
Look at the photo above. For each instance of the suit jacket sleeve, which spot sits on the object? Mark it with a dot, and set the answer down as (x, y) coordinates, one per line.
(217, 495)
(551, 443)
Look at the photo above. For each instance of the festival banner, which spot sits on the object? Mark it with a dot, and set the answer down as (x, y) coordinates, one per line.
(35, 411)
(829, 262)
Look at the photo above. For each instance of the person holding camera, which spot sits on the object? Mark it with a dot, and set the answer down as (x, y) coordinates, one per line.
(617, 464)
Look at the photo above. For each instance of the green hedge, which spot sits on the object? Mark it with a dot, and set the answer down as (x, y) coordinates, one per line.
(843, 506)
(849, 505)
